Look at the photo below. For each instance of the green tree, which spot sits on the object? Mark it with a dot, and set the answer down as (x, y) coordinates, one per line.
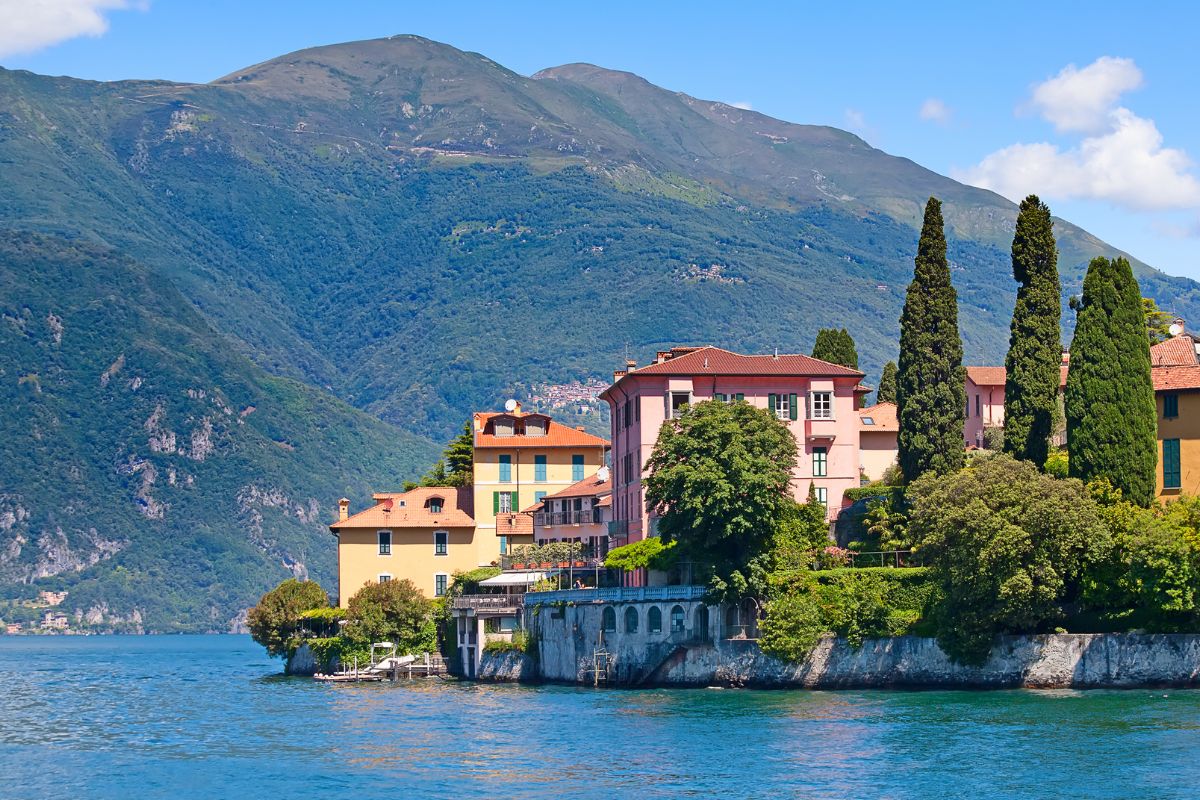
(1110, 409)
(719, 481)
(392, 611)
(1157, 322)
(1005, 544)
(275, 621)
(459, 456)
(836, 346)
(886, 393)
(1034, 350)
(929, 379)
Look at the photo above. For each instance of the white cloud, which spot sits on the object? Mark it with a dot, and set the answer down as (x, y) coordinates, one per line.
(743, 105)
(935, 110)
(1081, 99)
(30, 25)
(1121, 160)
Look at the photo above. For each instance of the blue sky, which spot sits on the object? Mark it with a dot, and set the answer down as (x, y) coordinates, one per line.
(1093, 106)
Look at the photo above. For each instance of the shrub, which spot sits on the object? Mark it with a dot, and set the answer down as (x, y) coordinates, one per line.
(521, 642)
(648, 553)
(393, 611)
(792, 627)
(1058, 464)
(275, 622)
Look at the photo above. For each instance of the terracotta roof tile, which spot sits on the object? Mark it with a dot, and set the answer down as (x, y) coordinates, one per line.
(409, 510)
(557, 434)
(716, 361)
(883, 415)
(996, 376)
(590, 486)
(514, 525)
(1177, 351)
(1168, 379)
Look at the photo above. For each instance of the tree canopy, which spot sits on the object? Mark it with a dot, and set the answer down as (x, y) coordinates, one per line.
(929, 386)
(1034, 357)
(1111, 414)
(275, 621)
(1005, 543)
(456, 467)
(886, 393)
(836, 346)
(719, 481)
(393, 611)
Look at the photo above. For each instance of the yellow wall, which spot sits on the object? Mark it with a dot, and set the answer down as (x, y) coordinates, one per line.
(558, 477)
(412, 558)
(1185, 428)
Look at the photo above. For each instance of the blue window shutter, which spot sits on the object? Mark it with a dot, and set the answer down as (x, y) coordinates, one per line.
(577, 468)
(792, 410)
(539, 468)
(505, 468)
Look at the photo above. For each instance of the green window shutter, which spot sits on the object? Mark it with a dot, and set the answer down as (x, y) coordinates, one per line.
(771, 401)
(495, 502)
(740, 396)
(513, 503)
(720, 398)
(1170, 406)
(1171, 470)
(792, 407)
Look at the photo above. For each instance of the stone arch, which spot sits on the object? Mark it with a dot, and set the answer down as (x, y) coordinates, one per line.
(631, 619)
(677, 619)
(700, 627)
(654, 620)
(608, 619)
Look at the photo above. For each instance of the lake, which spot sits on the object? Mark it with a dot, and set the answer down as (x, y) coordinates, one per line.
(211, 717)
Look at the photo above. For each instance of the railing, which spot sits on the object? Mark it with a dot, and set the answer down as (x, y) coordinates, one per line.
(618, 527)
(618, 594)
(489, 602)
(888, 558)
(584, 560)
(545, 519)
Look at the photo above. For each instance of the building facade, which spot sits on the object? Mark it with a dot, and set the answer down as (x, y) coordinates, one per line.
(424, 536)
(1175, 369)
(520, 459)
(984, 388)
(878, 429)
(816, 399)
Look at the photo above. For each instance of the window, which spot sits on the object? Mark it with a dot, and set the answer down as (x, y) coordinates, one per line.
(628, 413)
(435, 505)
(654, 620)
(784, 405)
(608, 619)
(441, 543)
(977, 406)
(384, 578)
(631, 620)
(385, 543)
(576, 467)
(1172, 477)
(868, 420)
(503, 427)
(968, 409)
(539, 497)
(535, 427)
(637, 410)
(1170, 406)
(677, 619)
(439, 584)
(823, 496)
(503, 502)
(505, 469)
(679, 401)
(820, 462)
(822, 405)
(503, 545)
(539, 469)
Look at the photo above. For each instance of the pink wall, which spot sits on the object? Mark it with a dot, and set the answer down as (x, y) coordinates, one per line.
(648, 393)
(985, 409)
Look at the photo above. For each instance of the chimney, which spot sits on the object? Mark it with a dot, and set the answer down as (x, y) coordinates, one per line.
(578, 427)
(1066, 357)
(630, 364)
(661, 356)
(343, 510)
(618, 374)
(517, 407)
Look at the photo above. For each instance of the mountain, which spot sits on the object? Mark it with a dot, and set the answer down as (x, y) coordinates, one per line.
(400, 232)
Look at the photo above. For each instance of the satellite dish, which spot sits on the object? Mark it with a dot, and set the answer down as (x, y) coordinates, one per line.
(1175, 329)
(510, 405)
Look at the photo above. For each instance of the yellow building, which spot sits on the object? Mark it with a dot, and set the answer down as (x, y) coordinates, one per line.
(1176, 372)
(520, 459)
(424, 535)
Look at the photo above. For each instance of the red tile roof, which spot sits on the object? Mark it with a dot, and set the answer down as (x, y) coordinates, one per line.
(716, 361)
(514, 524)
(883, 415)
(1170, 379)
(409, 510)
(591, 486)
(1177, 351)
(557, 434)
(996, 376)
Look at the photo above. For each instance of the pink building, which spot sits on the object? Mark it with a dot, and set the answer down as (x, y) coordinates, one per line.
(985, 401)
(580, 513)
(815, 398)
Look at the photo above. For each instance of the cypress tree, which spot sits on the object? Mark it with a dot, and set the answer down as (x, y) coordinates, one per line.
(929, 379)
(1034, 348)
(1111, 414)
(836, 346)
(886, 393)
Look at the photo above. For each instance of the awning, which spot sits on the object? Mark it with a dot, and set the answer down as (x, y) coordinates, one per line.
(514, 579)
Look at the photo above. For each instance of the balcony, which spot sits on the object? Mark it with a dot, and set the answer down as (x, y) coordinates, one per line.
(620, 594)
(820, 428)
(489, 604)
(550, 519)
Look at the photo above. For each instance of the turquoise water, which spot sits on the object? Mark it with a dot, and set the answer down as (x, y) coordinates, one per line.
(196, 716)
